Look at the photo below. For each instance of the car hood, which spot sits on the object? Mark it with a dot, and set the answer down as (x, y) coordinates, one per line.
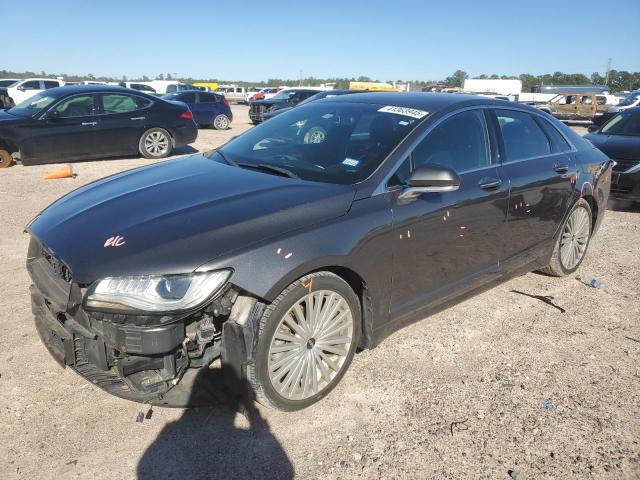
(175, 216)
(6, 117)
(620, 147)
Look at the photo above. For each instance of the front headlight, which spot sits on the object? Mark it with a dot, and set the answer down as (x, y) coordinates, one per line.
(155, 294)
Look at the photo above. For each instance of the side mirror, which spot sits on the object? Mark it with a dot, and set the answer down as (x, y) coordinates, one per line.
(430, 179)
(593, 128)
(52, 116)
(21, 88)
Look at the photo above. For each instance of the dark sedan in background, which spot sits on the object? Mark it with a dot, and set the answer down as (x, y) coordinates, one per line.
(93, 121)
(209, 109)
(306, 238)
(318, 96)
(619, 139)
(286, 98)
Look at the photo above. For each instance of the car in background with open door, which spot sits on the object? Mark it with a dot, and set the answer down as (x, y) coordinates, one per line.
(579, 107)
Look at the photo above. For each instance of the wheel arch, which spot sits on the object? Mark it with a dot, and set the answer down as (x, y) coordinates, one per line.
(357, 283)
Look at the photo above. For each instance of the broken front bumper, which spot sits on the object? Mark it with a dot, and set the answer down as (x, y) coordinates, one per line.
(144, 358)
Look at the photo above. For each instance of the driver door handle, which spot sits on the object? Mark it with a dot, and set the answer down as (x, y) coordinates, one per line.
(138, 118)
(561, 168)
(488, 183)
(89, 124)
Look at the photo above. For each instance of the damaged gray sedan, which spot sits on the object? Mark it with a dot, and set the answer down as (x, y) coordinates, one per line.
(313, 235)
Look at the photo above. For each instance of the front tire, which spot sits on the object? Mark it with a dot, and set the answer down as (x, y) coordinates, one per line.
(155, 143)
(573, 241)
(221, 122)
(306, 341)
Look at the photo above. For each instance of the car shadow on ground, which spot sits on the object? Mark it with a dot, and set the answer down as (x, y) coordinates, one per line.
(623, 206)
(227, 438)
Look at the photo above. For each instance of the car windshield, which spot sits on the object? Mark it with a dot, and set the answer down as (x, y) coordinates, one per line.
(7, 83)
(323, 142)
(629, 99)
(283, 95)
(34, 105)
(624, 123)
(313, 98)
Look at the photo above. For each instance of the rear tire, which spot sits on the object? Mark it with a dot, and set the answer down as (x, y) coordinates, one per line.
(221, 122)
(306, 341)
(573, 241)
(6, 160)
(155, 143)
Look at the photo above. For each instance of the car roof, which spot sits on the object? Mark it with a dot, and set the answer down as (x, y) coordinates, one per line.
(429, 101)
(92, 89)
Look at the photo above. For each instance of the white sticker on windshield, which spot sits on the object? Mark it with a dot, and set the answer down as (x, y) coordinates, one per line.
(350, 162)
(408, 112)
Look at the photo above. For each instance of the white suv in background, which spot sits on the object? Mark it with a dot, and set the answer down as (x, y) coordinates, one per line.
(28, 87)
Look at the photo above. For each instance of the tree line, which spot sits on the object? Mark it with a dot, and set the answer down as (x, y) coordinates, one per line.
(617, 80)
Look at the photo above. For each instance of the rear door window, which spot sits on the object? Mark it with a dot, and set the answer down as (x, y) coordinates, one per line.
(189, 97)
(522, 136)
(119, 103)
(50, 84)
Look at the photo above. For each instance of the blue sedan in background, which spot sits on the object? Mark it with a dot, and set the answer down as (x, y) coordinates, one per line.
(208, 108)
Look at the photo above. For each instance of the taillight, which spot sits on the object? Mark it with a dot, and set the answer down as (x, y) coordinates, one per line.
(187, 115)
(226, 102)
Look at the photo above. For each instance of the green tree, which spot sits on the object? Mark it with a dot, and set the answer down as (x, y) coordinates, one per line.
(457, 79)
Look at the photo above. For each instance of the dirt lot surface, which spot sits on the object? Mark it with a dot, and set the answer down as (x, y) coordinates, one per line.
(538, 378)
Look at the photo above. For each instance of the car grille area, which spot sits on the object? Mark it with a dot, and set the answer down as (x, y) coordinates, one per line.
(130, 361)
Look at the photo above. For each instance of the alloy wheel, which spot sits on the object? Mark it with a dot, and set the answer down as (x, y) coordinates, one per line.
(310, 345)
(575, 237)
(221, 122)
(156, 143)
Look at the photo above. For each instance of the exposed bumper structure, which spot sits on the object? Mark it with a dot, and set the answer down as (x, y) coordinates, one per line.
(146, 359)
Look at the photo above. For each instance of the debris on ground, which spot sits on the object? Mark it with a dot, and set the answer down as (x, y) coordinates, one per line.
(64, 172)
(547, 405)
(140, 417)
(548, 299)
(590, 282)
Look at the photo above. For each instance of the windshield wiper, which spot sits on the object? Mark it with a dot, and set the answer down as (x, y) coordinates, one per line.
(228, 161)
(269, 168)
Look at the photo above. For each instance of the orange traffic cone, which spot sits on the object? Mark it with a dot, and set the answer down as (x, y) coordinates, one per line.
(64, 172)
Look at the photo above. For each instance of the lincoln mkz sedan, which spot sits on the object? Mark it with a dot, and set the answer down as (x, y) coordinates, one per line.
(307, 238)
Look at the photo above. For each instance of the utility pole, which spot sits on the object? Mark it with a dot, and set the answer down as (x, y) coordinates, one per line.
(606, 77)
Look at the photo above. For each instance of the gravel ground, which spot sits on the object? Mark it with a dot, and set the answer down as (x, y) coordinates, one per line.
(504, 385)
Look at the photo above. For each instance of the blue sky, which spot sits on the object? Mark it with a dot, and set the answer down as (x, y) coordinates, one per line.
(256, 40)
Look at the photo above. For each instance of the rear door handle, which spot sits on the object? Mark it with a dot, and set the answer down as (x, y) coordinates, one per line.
(488, 183)
(89, 124)
(561, 168)
(138, 118)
